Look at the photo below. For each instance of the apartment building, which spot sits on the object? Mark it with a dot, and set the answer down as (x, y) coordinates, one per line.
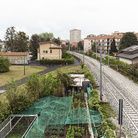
(75, 35)
(104, 40)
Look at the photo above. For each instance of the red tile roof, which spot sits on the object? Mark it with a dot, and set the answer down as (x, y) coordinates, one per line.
(104, 37)
(107, 37)
(13, 53)
(51, 42)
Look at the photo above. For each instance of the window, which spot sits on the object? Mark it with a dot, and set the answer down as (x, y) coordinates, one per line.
(42, 57)
(44, 51)
(50, 51)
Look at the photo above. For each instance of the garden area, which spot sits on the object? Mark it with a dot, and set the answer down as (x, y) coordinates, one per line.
(59, 115)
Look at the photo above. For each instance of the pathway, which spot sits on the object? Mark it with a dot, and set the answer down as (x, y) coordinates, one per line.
(49, 69)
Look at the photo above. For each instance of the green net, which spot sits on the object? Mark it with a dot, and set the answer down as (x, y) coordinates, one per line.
(83, 116)
(56, 112)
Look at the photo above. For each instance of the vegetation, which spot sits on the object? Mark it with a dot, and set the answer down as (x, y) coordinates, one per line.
(80, 45)
(93, 47)
(94, 100)
(17, 72)
(113, 47)
(34, 44)
(106, 112)
(68, 59)
(46, 36)
(126, 69)
(37, 86)
(4, 64)
(127, 40)
(16, 41)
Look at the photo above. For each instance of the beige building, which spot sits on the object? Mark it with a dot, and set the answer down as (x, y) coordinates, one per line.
(16, 57)
(49, 50)
(104, 40)
(75, 35)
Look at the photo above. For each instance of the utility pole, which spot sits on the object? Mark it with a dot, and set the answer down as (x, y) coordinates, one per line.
(96, 52)
(101, 72)
(108, 55)
(24, 63)
(83, 54)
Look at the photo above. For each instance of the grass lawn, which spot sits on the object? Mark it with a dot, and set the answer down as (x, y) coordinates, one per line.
(66, 69)
(17, 73)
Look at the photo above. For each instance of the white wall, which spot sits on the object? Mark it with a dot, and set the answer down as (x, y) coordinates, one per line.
(125, 60)
(87, 44)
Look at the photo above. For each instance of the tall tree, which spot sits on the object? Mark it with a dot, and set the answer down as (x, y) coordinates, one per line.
(113, 47)
(127, 40)
(34, 44)
(9, 38)
(94, 47)
(20, 42)
(46, 36)
(80, 45)
(57, 41)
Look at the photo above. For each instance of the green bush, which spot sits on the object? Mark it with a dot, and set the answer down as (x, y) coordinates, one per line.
(4, 64)
(68, 58)
(17, 101)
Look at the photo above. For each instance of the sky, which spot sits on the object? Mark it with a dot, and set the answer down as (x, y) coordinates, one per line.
(61, 16)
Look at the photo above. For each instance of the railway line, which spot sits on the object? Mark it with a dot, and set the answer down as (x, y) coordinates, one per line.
(115, 87)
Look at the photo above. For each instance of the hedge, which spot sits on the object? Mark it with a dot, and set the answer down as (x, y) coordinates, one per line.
(57, 61)
(4, 64)
(120, 66)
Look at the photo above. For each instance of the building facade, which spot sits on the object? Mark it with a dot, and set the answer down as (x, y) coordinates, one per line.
(75, 35)
(104, 40)
(49, 50)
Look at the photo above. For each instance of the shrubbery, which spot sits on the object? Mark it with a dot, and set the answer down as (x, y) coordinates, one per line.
(4, 64)
(130, 70)
(68, 58)
(37, 86)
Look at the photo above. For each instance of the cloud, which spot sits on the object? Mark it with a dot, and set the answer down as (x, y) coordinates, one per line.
(58, 17)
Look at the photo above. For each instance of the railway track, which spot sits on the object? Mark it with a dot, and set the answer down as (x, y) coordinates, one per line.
(115, 87)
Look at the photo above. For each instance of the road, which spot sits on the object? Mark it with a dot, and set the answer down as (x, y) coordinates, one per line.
(115, 87)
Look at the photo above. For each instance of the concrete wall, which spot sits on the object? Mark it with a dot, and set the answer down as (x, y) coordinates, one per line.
(125, 60)
(46, 54)
(135, 60)
(18, 59)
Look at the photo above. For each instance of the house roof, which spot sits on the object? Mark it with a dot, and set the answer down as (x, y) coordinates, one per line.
(105, 37)
(13, 53)
(51, 42)
(75, 30)
(108, 37)
(131, 48)
(128, 56)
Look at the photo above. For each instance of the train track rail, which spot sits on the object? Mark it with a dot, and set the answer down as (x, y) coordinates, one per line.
(115, 89)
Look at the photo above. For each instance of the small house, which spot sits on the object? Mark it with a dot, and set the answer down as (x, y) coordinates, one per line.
(129, 55)
(49, 50)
